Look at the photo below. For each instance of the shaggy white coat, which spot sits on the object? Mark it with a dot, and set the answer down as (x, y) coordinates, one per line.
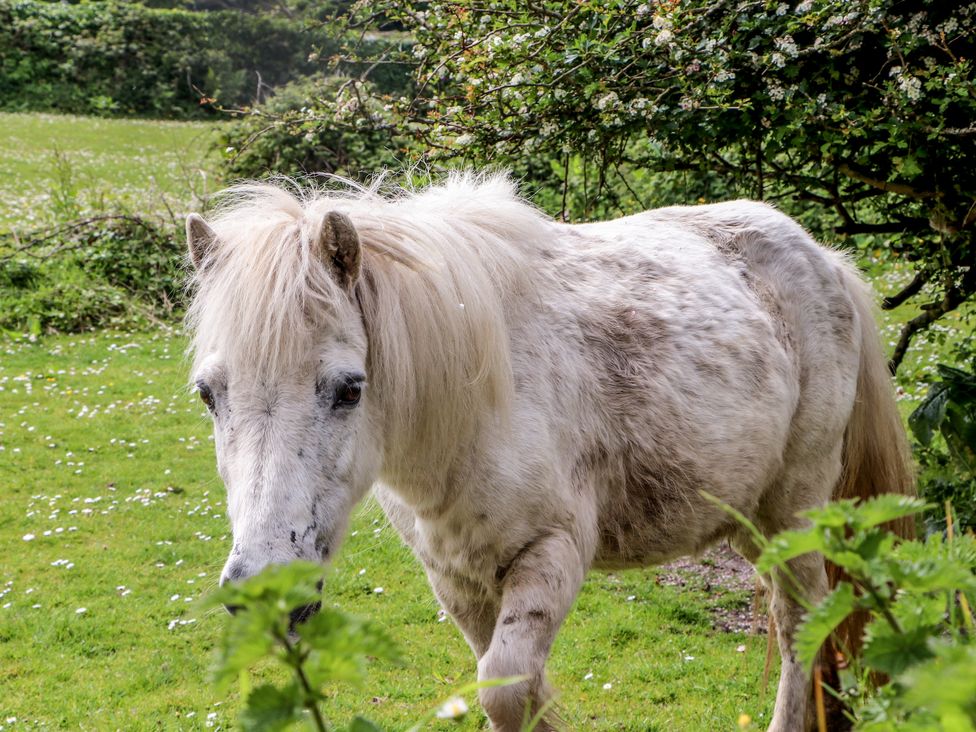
(539, 398)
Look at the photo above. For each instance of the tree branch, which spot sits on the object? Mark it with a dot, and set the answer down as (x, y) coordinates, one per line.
(900, 188)
(954, 297)
(890, 227)
(908, 291)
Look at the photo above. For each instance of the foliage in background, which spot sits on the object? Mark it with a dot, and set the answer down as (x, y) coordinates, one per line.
(110, 58)
(860, 116)
(105, 270)
(918, 596)
(329, 125)
(948, 412)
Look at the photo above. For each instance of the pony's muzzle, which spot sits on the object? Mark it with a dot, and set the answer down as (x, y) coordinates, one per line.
(297, 616)
(234, 571)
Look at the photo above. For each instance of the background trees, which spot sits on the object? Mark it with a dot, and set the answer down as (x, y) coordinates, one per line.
(858, 117)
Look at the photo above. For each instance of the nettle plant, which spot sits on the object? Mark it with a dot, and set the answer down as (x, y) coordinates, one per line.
(916, 669)
(330, 646)
(278, 616)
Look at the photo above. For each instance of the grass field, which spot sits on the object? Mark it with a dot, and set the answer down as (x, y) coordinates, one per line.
(112, 526)
(111, 520)
(111, 523)
(49, 161)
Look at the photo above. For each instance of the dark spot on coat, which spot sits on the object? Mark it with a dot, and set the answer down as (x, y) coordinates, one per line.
(619, 342)
(293, 537)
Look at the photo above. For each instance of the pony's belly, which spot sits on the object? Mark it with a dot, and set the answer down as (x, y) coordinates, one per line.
(629, 544)
(666, 514)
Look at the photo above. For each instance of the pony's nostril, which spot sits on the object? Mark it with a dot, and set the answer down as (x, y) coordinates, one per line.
(233, 572)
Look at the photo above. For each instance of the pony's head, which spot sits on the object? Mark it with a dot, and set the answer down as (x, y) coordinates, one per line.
(281, 364)
(340, 334)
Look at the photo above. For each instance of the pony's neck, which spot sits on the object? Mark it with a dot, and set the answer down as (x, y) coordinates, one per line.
(439, 351)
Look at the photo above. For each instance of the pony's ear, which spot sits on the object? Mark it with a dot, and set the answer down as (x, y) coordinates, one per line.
(339, 247)
(201, 239)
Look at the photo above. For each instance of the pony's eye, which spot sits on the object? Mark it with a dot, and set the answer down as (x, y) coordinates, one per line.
(206, 396)
(348, 394)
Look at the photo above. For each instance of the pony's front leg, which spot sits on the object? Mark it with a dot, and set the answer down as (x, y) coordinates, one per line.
(537, 591)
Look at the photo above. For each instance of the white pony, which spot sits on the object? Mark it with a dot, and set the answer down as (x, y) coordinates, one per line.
(532, 399)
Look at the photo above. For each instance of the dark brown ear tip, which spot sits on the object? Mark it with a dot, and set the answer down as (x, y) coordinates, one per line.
(200, 239)
(341, 226)
(340, 243)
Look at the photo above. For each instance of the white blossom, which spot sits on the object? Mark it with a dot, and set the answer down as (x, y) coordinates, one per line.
(662, 23)
(453, 708)
(610, 99)
(787, 45)
(911, 86)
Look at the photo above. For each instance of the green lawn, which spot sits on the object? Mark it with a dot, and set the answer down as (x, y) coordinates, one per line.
(48, 160)
(111, 504)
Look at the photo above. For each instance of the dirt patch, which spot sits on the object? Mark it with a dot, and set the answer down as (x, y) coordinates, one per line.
(729, 583)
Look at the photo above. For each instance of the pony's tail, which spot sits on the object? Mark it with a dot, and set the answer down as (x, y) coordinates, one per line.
(876, 455)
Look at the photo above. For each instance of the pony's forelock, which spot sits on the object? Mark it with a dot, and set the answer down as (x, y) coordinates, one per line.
(436, 266)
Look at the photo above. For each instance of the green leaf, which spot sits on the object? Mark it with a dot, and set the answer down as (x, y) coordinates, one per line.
(835, 515)
(873, 543)
(886, 507)
(927, 417)
(823, 620)
(934, 565)
(788, 545)
(908, 166)
(944, 686)
(340, 645)
(291, 585)
(891, 652)
(268, 709)
(245, 641)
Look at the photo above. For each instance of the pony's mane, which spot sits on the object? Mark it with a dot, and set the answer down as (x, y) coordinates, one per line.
(438, 266)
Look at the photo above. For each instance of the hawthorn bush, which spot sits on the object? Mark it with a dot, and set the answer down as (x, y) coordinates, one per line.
(858, 117)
